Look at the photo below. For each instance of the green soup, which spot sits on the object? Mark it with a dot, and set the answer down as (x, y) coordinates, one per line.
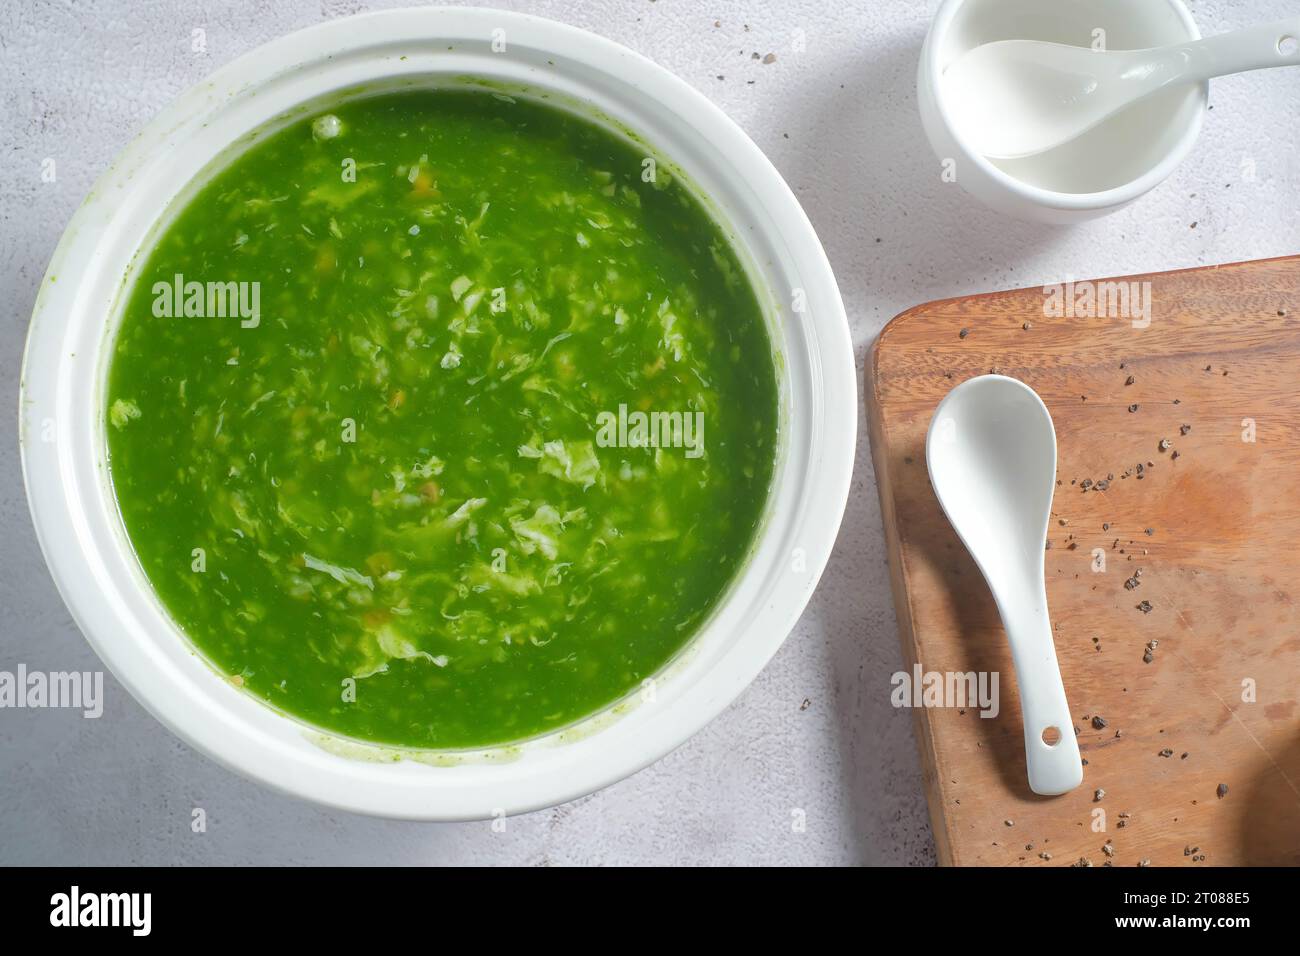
(441, 420)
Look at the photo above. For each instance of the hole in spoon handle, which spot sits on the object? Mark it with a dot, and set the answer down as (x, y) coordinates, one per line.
(1052, 756)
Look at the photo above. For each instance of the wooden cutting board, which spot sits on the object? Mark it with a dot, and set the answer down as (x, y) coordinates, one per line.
(1214, 531)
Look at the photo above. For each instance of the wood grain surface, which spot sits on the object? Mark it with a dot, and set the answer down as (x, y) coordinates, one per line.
(1212, 523)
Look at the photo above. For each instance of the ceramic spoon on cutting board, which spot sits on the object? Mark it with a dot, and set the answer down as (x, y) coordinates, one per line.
(1014, 98)
(991, 453)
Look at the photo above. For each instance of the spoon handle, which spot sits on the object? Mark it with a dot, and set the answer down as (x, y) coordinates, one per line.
(1054, 768)
(1254, 48)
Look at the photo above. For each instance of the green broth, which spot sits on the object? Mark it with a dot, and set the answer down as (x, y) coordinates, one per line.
(391, 502)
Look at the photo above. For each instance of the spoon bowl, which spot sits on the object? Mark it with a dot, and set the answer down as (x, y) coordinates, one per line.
(991, 454)
(1017, 98)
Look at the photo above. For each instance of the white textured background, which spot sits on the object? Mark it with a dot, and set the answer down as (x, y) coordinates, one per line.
(79, 79)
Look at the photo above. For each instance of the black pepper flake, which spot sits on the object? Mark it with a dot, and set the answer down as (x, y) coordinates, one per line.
(1099, 722)
(1133, 407)
(1144, 607)
(1222, 790)
(963, 333)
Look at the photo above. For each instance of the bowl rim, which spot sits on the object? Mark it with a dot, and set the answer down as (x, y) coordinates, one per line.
(49, 478)
(1051, 198)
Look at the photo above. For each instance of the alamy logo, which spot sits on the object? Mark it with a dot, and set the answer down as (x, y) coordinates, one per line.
(179, 299)
(651, 430)
(1099, 300)
(75, 908)
(974, 689)
(76, 690)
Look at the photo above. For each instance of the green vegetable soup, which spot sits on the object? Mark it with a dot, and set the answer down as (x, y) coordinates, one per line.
(441, 419)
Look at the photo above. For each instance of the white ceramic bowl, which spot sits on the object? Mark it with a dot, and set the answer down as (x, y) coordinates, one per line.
(77, 310)
(1101, 171)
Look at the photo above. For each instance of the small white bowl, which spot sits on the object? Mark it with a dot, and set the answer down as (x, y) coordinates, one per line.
(79, 307)
(1099, 172)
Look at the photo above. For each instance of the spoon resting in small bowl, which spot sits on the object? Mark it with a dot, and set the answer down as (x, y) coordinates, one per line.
(1016, 98)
